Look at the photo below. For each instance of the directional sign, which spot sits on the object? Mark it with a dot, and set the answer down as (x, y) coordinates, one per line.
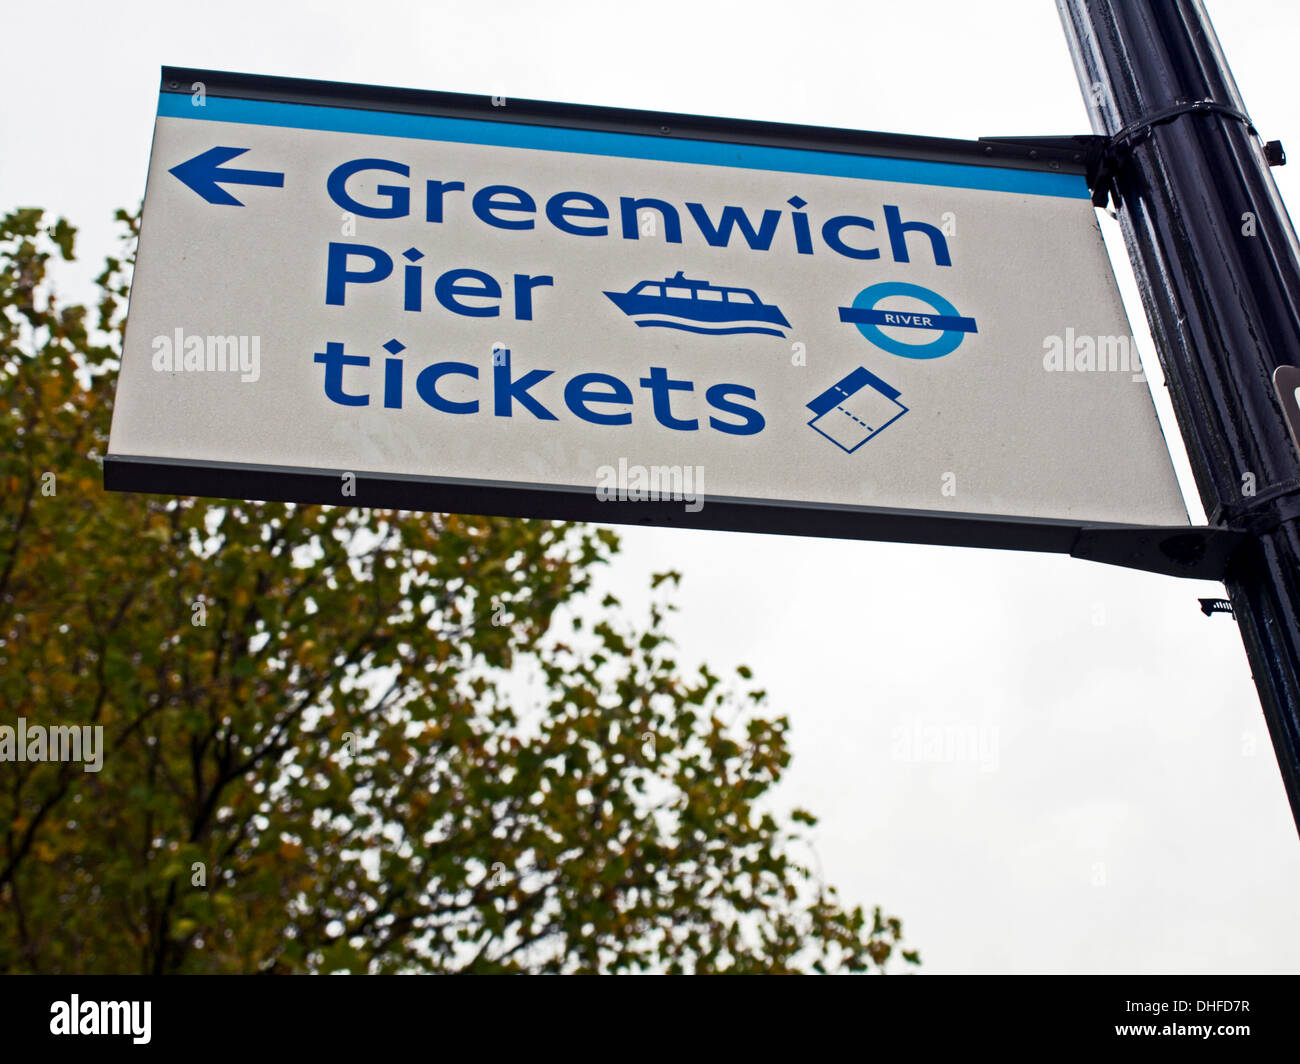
(377, 297)
(204, 175)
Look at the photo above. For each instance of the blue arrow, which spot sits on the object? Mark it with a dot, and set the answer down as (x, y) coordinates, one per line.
(204, 171)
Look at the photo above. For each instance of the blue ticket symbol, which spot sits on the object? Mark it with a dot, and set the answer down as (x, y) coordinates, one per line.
(854, 409)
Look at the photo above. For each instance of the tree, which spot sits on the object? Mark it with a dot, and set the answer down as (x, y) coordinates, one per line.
(321, 750)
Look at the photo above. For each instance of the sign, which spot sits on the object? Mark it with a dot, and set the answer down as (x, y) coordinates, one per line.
(434, 302)
(1286, 383)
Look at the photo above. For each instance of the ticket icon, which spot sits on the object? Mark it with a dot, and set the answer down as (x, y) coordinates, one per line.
(853, 410)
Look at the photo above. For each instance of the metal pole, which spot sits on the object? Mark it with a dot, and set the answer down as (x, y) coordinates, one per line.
(1218, 265)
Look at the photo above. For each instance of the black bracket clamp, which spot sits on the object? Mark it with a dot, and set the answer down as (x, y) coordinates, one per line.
(1196, 552)
(1118, 148)
(1104, 156)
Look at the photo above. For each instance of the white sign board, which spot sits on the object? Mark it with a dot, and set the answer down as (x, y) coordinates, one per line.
(468, 311)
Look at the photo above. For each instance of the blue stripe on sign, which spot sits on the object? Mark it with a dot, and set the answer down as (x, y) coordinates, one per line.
(855, 381)
(625, 145)
(916, 319)
(826, 400)
(863, 376)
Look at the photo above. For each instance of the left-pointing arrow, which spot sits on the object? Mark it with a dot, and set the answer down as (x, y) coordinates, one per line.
(203, 172)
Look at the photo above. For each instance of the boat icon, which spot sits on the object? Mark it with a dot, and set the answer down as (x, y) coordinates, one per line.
(678, 302)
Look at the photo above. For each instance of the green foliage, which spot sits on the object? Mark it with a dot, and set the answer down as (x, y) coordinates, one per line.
(320, 752)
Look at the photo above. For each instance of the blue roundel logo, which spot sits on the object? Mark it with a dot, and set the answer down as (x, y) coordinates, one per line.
(866, 314)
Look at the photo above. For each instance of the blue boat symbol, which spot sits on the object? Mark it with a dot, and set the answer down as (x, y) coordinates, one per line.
(677, 302)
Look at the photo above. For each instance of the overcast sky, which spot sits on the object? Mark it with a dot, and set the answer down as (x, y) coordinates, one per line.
(1125, 811)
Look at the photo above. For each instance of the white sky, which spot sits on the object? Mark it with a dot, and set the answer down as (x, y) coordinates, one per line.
(1118, 819)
